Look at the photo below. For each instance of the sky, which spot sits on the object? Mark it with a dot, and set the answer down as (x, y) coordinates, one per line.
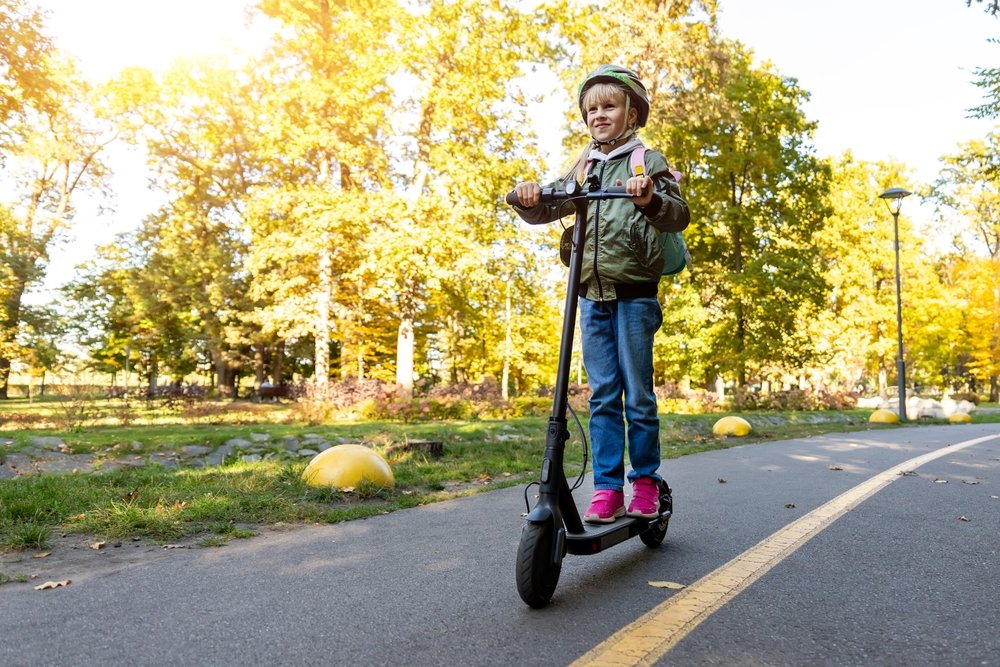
(887, 78)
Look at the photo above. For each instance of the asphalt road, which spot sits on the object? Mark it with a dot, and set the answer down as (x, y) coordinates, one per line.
(910, 576)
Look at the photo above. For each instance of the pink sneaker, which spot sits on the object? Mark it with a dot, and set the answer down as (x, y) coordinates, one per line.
(645, 499)
(606, 506)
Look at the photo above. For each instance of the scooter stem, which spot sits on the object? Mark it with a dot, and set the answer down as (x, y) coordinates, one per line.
(553, 485)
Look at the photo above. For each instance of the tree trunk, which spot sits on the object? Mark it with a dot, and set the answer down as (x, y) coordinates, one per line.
(507, 348)
(8, 327)
(322, 324)
(4, 376)
(404, 358)
(258, 364)
(278, 362)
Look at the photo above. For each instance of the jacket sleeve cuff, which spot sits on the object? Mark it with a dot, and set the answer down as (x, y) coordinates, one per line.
(651, 209)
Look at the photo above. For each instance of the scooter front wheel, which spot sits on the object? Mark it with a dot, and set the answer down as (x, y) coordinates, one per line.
(537, 575)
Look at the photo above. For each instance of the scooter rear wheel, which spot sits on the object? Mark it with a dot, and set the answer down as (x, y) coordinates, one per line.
(654, 536)
(537, 576)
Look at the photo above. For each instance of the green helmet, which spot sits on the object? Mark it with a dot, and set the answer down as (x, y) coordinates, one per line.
(625, 78)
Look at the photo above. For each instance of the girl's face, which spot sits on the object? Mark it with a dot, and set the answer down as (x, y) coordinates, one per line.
(606, 113)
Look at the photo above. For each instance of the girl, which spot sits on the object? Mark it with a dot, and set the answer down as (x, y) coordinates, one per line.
(619, 309)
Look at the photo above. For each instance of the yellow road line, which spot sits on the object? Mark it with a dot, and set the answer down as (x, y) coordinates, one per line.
(649, 637)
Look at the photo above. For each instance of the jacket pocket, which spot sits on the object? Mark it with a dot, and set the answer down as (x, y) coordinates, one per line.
(644, 244)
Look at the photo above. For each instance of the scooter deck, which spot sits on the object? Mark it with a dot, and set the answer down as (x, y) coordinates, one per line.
(598, 537)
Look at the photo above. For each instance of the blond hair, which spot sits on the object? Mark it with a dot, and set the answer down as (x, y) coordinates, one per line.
(599, 93)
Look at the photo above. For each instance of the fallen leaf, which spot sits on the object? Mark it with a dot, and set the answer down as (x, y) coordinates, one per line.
(964, 518)
(908, 473)
(995, 497)
(97, 545)
(667, 584)
(722, 481)
(45, 554)
(173, 546)
(940, 481)
(52, 584)
(833, 467)
(790, 506)
(966, 481)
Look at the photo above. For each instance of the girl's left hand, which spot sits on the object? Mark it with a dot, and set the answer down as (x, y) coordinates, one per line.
(641, 188)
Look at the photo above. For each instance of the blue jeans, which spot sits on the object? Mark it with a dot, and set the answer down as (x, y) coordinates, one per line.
(618, 355)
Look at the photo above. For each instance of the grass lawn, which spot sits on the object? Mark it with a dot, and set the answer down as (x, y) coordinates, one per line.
(214, 504)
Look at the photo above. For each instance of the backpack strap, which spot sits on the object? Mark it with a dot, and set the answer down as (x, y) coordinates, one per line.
(637, 161)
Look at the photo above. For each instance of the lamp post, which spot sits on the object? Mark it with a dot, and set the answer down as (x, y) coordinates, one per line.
(894, 200)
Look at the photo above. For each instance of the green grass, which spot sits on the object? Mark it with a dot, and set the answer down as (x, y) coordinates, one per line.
(213, 505)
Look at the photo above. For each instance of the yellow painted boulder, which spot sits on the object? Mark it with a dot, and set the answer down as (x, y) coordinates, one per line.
(346, 466)
(960, 418)
(883, 417)
(732, 426)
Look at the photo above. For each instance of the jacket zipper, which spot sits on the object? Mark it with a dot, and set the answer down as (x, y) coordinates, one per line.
(597, 229)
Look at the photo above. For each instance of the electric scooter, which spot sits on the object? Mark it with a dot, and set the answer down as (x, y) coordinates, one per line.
(553, 527)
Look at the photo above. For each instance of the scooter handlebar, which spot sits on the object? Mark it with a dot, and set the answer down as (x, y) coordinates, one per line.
(552, 195)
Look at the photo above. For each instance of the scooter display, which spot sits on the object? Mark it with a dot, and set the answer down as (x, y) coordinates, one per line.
(553, 527)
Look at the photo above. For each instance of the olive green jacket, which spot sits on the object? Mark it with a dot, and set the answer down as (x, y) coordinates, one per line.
(623, 255)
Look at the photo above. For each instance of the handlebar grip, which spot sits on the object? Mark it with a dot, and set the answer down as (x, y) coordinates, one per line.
(511, 198)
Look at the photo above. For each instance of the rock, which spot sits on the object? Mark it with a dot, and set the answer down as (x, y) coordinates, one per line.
(65, 463)
(872, 402)
(260, 437)
(45, 441)
(191, 451)
(20, 463)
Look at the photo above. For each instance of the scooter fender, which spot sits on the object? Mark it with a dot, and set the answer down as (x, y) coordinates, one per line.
(544, 515)
(540, 515)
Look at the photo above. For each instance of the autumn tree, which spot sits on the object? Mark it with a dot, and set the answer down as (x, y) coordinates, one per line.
(50, 145)
(198, 126)
(967, 191)
(461, 147)
(756, 190)
(326, 77)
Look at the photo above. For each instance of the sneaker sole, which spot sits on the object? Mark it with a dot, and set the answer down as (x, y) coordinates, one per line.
(642, 515)
(597, 518)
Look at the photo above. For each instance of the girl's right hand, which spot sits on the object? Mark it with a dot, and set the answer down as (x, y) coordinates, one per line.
(528, 193)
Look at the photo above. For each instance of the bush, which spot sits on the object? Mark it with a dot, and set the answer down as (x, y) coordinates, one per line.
(416, 409)
(531, 406)
(338, 399)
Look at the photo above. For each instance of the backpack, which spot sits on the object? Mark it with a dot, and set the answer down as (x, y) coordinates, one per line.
(675, 253)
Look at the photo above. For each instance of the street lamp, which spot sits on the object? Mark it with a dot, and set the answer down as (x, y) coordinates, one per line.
(894, 200)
